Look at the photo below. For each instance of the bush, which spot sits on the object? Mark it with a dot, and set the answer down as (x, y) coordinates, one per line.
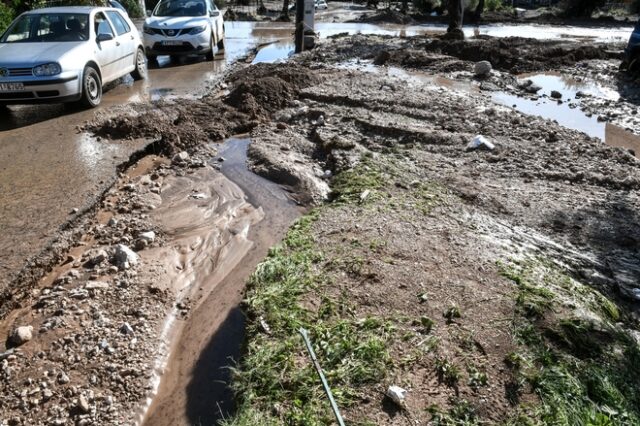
(493, 5)
(427, 6)
(133, 8)
(6, 16)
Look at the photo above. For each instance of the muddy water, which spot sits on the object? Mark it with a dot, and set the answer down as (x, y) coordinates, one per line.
(568, 113)
(194, 387)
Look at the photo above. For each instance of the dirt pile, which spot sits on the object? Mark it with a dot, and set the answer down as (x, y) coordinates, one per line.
(519, 55)
(387, 16)
(514, 54)
(270, 87)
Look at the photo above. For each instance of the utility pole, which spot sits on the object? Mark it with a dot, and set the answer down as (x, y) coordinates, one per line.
(305, 16)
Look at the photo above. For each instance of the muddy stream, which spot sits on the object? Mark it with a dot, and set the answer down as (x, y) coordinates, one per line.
(242, 216)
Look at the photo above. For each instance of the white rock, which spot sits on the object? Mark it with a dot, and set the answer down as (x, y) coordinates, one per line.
(482, 68)
(181, 157)
(480, 142)
(96, 285)
(396, 394)
(149, 236)
(22, 335)
(125, 257)
(63, 379)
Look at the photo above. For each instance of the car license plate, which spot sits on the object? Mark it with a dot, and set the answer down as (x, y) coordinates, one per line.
(11, 87)
(171, 43)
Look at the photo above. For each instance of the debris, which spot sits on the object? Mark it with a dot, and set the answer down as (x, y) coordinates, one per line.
(397, 395)
(180, 158)
(199, 196)
(364, 195)
(480, 142)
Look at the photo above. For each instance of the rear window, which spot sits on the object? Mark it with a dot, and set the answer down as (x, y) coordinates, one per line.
(48, 28)
(118, 22)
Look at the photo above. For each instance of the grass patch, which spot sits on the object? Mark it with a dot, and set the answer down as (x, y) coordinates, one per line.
(276, 382)
(584, 368)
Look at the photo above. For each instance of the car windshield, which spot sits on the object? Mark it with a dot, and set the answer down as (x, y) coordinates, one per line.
(181, 8)
(48, 28)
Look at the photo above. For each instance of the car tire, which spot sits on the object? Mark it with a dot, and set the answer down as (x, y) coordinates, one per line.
(221, 44)
(140, 73)
(210, 54)
(91, 87)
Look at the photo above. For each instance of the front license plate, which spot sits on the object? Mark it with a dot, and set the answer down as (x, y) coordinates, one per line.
(11, 87)
(171, 43)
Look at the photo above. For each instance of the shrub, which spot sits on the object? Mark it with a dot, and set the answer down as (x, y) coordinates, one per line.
(6, 16)
(133, 8)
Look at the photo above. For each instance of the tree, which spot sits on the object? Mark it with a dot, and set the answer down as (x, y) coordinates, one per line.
(285, 10)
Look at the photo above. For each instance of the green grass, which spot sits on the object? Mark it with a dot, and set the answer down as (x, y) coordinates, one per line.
(276, 382)
(585, 369)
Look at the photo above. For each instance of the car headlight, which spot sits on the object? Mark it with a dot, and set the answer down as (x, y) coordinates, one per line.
(198, 30)
(47, 69)
(147, 30)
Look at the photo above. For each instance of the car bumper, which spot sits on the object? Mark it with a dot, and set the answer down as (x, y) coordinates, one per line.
(63, 88)
(181, 45)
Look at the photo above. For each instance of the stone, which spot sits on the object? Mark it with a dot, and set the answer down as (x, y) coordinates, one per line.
(533, 88)
(148, 236)
(96, 258)
(482, 69)
(63, 379)
(480, 142)
(124, 257)
(22, 335)
(556, 95)
(83, 404)
(126, 329)
(180, 158)
(397, 395)
(96, 285)
(112, 222)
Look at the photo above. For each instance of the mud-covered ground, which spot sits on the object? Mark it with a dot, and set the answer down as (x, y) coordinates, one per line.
(491, 284)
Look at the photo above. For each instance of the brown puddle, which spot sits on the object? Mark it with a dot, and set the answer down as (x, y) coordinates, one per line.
(214, 249)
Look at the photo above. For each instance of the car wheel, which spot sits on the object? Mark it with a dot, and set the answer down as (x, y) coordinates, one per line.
(210, 53)
(91, 88)
(140, 73)
(221, 44)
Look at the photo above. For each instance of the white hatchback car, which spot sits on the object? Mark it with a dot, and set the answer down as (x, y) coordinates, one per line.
(184, 27)
(67, 54)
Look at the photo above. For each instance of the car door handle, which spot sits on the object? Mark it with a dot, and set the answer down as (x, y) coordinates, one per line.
(117, 43)
(132, 37)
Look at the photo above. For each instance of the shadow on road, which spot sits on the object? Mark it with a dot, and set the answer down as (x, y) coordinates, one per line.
(209, 397)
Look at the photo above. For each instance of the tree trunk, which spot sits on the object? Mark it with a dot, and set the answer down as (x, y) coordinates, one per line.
(285, 8)
(478, 13)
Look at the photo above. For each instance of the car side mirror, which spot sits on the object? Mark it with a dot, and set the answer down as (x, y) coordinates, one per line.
(149, 12)
(104, 37)
(214, 13)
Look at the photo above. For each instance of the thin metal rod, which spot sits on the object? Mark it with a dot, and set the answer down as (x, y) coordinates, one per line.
(316, 364)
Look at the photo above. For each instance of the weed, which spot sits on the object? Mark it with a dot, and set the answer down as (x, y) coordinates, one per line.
(477, 378)
(427, 324)
(448, 372)
(461, 413)
(452, 313)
